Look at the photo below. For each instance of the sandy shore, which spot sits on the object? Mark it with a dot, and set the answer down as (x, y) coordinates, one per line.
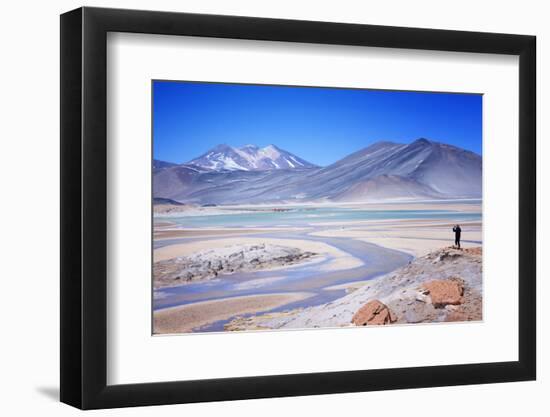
(416, 237)
(183, 319)
(160, 224)
(165, 233)
(339, 260)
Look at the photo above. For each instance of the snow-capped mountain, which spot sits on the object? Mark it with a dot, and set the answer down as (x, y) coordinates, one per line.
(248, 158)
(423, 169)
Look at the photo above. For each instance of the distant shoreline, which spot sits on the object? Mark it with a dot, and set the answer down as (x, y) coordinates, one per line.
(464, 205)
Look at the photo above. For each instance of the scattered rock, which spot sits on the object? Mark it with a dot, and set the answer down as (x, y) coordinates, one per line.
(210, 264)
(445, 291)
(373, 313)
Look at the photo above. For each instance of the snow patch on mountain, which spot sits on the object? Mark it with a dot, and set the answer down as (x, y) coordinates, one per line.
(249, 158)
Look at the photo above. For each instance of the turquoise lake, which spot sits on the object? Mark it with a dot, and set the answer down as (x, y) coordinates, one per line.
(300, 216)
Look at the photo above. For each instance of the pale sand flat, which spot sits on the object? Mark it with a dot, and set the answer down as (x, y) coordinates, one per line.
(417, 239)
(163, 224)
(184, 319)
(443, 234)
(392, 222)
(415, 223)
(166, 234)
(415, 247)
(339, 259)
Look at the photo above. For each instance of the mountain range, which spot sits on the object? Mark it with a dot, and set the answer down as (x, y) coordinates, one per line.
(423, 169)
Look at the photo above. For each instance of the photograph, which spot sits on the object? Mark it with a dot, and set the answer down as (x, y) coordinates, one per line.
(279, 207)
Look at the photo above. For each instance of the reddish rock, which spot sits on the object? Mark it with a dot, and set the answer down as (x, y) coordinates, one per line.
(373, 313)
(445, 291)
(474, 251)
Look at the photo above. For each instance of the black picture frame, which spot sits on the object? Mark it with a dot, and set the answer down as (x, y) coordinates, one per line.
(84, 207)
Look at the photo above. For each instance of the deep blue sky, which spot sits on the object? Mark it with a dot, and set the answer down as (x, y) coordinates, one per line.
(320, 125)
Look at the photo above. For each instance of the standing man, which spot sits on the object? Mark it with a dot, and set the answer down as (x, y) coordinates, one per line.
(457, 231)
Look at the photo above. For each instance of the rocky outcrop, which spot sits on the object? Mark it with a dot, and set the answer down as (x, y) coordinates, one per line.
(373, 313)
(444, 285)
(444, 291)
(213, 263)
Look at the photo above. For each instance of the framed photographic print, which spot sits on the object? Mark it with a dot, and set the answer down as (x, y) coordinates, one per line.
(258, 207)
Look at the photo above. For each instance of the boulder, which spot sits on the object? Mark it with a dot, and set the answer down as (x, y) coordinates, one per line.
(373, 313)
(445, 291)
